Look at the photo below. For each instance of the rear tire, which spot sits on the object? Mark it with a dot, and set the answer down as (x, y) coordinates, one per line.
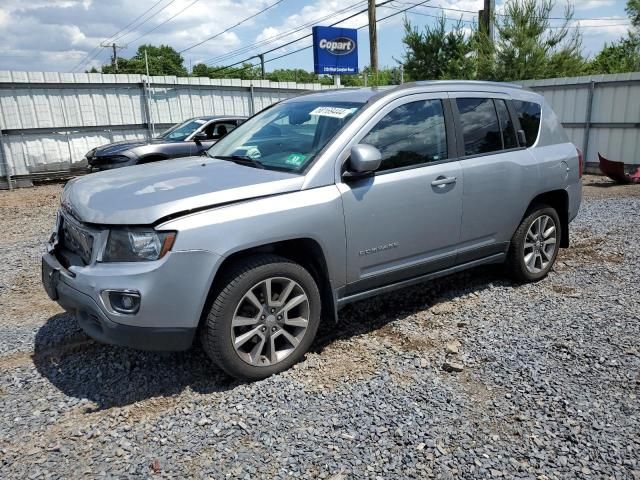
(535, 244)
(264, 317)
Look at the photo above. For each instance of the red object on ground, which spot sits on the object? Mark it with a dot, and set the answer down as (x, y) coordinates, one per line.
(615, 171)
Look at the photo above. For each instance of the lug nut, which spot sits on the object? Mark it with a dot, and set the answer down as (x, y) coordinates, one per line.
(279, 317)
(262, 317)
(273, 310)
(273, 329)
(263, 329)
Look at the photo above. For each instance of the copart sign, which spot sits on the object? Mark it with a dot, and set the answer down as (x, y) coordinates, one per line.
(335, 50)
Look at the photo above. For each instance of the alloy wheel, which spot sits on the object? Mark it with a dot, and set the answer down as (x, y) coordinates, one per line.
(270, 321)
(540, 244)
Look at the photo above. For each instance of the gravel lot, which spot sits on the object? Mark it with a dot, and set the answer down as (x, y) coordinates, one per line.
(549, 387)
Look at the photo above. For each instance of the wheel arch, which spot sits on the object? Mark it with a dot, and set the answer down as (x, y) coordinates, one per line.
(559, 200)
(304, 251)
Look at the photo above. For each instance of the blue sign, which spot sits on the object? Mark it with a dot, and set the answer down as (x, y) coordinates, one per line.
(335, 50)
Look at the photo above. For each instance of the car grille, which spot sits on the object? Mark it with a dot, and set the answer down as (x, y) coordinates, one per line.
(77, 240)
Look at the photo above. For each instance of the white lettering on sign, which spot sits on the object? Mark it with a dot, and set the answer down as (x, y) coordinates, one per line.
(338, 46)
(335, 112)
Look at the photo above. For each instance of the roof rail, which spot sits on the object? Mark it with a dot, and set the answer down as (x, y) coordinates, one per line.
(429, 83)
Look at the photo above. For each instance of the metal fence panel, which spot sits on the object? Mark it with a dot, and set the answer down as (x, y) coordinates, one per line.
(49, 120)
(613, 128)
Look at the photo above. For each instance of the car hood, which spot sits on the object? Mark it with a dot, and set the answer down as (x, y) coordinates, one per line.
(143, 194)
(116, 148)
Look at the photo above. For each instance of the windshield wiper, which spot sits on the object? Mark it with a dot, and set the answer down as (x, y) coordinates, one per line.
(241, 159)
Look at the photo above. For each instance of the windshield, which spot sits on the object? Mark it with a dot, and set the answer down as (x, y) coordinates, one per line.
(288, 135)
(183, 130)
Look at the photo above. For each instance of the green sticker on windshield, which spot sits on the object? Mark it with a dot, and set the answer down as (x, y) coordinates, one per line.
(296, 159)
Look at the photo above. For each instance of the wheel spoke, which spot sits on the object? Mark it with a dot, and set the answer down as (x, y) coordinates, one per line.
(240, 321)
(549, 231)
(256, 352)
(245, 337)
(549, 241)
(286, 291)
(292, 340)
(294, 302)
(530, 259)
(543, 224)
(296, 322)
(528, 245)
(268, 297)
(273, 353)
(253, 299)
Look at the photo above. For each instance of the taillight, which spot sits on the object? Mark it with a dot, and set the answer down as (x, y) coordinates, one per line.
(580, 162)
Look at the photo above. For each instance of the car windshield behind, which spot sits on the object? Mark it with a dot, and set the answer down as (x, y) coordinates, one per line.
(182, 130)
(288, 135)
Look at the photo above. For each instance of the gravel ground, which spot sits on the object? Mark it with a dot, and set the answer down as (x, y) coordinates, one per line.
(548, 389)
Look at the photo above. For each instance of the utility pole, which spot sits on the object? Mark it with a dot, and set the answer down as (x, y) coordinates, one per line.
(485, 18)
(373, 38)
(261, 57)
(146, 63)
(114, 58)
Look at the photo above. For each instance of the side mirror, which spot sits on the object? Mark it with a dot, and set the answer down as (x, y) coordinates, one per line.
(200, 136)
(364, 160)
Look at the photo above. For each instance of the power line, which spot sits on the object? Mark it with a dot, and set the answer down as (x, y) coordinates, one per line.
(439, 7)
(166, 21)
(279, 36)
(119, 34)
(552, 27)
(231, 27)
(144, 21)
(310, 46)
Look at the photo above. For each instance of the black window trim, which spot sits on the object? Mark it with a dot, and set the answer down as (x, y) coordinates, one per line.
(458, 128)
(449, 128)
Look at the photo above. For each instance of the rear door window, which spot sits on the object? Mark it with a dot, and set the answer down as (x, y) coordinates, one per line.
(529, 118)
(480, 126)
(411, 134)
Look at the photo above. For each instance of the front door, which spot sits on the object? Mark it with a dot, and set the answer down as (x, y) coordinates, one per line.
(404, 221)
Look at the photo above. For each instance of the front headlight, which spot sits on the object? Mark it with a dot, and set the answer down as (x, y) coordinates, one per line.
(137, 245)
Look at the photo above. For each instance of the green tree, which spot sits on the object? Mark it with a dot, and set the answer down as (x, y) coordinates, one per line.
(623, 55)
(633, 11)
(527, 48)
(436, 53)
(163, 60)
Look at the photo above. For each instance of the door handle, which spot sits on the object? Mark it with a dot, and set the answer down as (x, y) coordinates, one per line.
(443, 181)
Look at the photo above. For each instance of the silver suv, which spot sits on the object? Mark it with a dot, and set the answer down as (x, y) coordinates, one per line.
(316, 202)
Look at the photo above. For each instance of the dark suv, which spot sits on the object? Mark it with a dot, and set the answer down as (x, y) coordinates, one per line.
(191, 137)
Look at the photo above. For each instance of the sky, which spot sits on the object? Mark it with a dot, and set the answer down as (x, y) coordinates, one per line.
(65, 35)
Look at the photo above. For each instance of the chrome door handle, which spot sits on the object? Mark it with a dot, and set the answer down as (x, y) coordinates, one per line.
(443, 181)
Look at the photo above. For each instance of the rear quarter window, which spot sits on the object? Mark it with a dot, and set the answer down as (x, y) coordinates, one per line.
(529, 117)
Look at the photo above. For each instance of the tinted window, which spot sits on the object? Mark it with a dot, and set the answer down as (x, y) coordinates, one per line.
(410, 134)
(529, 117)
(480, 127)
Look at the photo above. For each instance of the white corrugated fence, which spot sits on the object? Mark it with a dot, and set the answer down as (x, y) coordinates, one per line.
(601, 113)
(48, 121)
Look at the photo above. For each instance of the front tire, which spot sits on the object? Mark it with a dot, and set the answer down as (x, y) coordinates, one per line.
(535, 244)
(263, 318)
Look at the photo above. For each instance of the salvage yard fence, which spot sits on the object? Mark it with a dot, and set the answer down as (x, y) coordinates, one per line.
(601, 113)
(48, 121)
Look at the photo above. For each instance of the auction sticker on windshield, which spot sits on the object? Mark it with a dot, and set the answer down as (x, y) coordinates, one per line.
(296, 159)
(335, 112)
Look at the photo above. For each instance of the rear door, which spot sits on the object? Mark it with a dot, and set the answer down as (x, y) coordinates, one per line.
(500, 176)
(404, 221)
